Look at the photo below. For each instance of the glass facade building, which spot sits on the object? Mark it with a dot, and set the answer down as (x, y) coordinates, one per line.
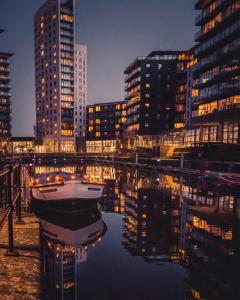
(54, 75)
(216, 78)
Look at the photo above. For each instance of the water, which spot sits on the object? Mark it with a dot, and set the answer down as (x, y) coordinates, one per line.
(153, 237)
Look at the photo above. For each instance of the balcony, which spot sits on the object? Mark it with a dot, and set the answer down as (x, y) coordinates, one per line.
(205, 16)
(200, 36)
(221, 76)
(231, 52)
(231, 114)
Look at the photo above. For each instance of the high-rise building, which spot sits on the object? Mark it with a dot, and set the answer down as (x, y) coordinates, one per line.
(54, 75)
(105, 123)
(216, 105)
(80, 90)
(156, 90)
(5, 95)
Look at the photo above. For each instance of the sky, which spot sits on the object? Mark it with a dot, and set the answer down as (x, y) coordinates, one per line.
(115, 31)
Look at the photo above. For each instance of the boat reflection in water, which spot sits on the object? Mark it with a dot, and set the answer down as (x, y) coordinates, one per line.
(65, 240)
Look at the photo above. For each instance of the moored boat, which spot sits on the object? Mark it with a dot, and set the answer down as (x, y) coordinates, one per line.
(64, 191)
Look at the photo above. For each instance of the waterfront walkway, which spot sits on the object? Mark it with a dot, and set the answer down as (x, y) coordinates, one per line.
(19, 276)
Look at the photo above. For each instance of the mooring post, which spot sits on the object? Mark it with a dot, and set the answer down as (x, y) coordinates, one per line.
(10, 250)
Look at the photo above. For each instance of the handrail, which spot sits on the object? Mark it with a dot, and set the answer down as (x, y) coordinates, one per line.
(11, 200)
(9, 210)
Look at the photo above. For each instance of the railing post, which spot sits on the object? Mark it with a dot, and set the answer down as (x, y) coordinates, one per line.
(19, 201)
(10, 251)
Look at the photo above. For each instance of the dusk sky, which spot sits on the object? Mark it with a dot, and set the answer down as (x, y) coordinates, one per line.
(116, 31)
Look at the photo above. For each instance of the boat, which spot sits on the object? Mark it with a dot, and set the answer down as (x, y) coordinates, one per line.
(61, 190)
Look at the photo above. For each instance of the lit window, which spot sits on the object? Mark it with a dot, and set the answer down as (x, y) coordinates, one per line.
(147, 85)
(98, 108)
(90, 109)
(147, 105)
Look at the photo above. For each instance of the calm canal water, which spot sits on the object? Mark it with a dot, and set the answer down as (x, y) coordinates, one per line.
(153, 237)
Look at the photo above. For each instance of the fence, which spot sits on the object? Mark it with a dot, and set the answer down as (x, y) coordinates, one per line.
(10, 201)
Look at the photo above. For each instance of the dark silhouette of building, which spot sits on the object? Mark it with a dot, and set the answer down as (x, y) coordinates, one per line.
(5, 95)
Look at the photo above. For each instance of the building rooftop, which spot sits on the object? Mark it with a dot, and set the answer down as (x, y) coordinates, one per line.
(154, 55)
(108, 103)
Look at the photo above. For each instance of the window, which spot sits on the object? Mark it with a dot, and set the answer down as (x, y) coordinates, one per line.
(90, 109)
(148, 65)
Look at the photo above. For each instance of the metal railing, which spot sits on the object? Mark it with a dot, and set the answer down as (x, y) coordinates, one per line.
(10, 201)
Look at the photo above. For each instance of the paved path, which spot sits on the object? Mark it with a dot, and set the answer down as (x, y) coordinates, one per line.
(19, 276)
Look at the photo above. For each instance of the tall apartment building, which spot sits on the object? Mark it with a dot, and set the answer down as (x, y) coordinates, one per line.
(80, 90)
(105, 122)
(54, 74)
(216, 105)
(156, 90)
(5, 95)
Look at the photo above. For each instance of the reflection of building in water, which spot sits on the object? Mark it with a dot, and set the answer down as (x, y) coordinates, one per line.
(64, 248)
(103, 172)
(214, 248)
(50, 169)
(174, 219)
(152, 222)
(113, 200)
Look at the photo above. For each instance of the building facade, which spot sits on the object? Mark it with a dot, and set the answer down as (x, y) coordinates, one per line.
(80, 90)
(105, 123)
(54, 75)
(216, 104)
(155, 88)
(5, 103)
